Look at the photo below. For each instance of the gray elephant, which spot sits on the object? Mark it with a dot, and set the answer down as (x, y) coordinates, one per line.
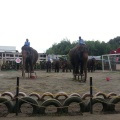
(79, 57)
(91, 64)
(30, 57)
(48, 66)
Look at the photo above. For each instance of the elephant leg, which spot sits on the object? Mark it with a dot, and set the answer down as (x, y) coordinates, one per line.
(81, 69)
(74, 76)
(32, 70)
(92, 68)
(85, 71)
(63, 69)
(50, 69)
(57, 68)
(73, 70)
(77, 70)
(88, 68)
(23, 68)
(67, 68)
(47, 68)
(31, 66)
(26, 66)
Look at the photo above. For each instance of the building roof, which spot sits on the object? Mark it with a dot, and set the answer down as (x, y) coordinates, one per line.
(7, 48)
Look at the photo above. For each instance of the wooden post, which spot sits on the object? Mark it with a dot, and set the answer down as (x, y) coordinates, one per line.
(17, 93)
(91, 108)
(23, 68)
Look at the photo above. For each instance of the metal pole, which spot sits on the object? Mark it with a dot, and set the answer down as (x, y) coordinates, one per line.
(102, 64)
(109, 63)
(17, 93)
(91, 95)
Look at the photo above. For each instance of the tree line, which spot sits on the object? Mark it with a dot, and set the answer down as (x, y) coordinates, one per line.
(96, 48)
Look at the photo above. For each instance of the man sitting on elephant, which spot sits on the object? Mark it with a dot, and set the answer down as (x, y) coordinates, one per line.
(81, 41)
(27, 43)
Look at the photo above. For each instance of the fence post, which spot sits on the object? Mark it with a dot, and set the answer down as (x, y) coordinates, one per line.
(91, 95)
(17, 93)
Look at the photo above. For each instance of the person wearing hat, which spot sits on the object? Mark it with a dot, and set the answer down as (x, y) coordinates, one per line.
(27, 43)
(81, 41)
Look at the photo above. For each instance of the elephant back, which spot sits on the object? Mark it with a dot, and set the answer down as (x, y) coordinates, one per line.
(81, 48)
(77, 50)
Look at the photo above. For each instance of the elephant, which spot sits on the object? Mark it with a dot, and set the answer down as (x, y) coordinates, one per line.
(30, 57)
(65, 65)
(48, 65)
(56, 65)
(78, 58)
(91, 64)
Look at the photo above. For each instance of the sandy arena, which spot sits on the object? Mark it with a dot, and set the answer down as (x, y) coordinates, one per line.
(61, 82)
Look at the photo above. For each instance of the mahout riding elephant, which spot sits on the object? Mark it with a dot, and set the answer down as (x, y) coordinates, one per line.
(91, 64)
(79, 57)
(30, 57)
(48, 66)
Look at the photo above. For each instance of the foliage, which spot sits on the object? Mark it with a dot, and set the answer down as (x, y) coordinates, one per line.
(96, 48)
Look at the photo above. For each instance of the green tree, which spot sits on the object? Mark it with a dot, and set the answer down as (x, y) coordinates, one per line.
(61, 48)
(96, 48)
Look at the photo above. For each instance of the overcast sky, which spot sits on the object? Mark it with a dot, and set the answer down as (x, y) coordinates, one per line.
(45, 22)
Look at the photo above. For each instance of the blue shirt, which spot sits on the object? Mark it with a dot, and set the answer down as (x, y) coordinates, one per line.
(27, 43)
(81, 41)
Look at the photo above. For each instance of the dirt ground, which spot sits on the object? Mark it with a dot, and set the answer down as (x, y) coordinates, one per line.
(61, 82)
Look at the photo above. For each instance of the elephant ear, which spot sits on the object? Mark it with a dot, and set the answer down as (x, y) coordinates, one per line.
(23, 48)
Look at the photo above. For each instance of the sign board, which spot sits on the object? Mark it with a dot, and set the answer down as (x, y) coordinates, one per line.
(18, 60)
